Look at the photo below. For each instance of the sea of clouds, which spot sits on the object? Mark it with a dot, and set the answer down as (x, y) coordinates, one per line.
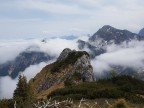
(10, 49)
(126, 55)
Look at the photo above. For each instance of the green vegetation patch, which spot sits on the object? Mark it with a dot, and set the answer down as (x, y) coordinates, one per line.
(7, 103)
(117, 87)
(70, 59)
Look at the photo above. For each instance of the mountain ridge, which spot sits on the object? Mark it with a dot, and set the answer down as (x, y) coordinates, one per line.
(96, 45)
(106, 36)
(77, 69)
(109, 33)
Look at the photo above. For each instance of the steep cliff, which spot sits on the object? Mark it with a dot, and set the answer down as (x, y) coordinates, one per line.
(70, 65)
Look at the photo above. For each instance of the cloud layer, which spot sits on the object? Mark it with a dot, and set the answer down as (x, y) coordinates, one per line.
(10, 49)
(130, 55)
(125, 55)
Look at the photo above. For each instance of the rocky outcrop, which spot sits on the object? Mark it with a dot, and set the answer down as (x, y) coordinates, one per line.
(64, 54)
(83, 66)
(70, 64)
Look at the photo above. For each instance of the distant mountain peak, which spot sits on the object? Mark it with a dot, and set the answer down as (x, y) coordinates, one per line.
(108, 33)
(107, 28)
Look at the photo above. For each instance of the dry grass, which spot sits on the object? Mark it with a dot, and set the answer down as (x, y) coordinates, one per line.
(43, 94)
(46, 74)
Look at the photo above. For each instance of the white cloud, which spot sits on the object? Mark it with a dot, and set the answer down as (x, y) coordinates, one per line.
(10, 49)
(32, 70)
(8, 85)
(55, 46)
(131, 55)
(99, 67)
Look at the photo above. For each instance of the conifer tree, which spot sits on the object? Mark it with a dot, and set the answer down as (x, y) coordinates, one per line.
(22, 91)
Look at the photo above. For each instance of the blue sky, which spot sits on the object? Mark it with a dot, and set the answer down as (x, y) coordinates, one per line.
(47, 18)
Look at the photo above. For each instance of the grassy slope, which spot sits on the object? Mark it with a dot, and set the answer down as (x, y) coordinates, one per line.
(56, 70)
(42, 76)
(118, 87)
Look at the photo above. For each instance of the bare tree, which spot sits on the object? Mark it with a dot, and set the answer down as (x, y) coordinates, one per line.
(15, 104)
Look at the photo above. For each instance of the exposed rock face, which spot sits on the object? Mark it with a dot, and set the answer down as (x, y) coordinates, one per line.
(21, 62)
(64, 54)
(69, 63)
(84, 67)
(81, 64)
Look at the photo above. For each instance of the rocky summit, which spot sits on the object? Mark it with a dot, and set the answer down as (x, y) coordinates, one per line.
(71, 66)
(110, 34)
